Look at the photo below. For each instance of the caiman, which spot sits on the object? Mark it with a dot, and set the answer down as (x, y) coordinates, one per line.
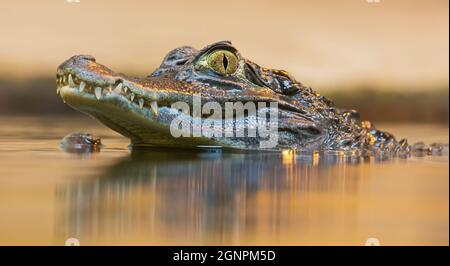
(141, 108)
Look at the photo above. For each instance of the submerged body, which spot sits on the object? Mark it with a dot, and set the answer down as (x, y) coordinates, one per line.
(142, 108)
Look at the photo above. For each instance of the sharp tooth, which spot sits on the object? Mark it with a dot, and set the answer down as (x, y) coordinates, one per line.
(58, 89)
(71, 83)
(141, 103)
(98, 93)
(110, 89)
(125, 89)
(82, 85)
(132, 97)
(64, 79)
(154, 107)
(118, 88)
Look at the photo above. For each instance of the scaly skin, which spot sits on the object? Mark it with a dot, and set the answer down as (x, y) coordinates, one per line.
(140, 108)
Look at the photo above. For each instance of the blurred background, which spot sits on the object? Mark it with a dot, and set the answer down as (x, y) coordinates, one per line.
(388, 59)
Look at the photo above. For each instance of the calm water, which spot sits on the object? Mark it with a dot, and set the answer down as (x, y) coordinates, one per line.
(171, 198)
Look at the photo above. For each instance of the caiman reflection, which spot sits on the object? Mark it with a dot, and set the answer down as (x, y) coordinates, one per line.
(210, 198)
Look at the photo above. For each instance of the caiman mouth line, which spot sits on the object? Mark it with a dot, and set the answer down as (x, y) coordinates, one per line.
(68, 84)
(92, 90)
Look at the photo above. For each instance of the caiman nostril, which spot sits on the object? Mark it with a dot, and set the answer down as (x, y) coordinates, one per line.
(82, 58)
(86, 57)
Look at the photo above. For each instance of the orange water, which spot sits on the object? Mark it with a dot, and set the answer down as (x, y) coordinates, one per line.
(119, 197)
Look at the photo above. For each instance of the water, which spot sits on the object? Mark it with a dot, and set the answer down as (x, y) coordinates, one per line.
(182, 198)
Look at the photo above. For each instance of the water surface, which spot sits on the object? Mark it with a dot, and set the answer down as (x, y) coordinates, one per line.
(160, 197)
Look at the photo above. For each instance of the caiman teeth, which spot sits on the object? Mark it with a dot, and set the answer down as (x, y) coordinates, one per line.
(82, 85)
(71, 83)
(98, 93)
(154, 107)
(118, 88)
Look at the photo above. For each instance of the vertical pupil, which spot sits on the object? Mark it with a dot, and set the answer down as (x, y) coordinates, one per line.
(225, 61)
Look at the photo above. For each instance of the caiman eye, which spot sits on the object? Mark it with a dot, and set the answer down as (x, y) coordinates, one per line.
(223, 62)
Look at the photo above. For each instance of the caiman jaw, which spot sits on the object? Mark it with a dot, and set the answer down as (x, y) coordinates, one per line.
(80, 77)
(136, 108)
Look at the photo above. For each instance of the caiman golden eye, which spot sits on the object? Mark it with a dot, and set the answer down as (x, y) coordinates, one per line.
(223, 62)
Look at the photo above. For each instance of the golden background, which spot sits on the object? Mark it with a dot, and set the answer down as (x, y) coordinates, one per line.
(392, 44)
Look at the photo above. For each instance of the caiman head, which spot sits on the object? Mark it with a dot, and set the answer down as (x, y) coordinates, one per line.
(141, 108)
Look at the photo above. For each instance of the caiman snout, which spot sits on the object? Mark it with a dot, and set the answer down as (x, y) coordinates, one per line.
(75, 61)
(85, 67)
